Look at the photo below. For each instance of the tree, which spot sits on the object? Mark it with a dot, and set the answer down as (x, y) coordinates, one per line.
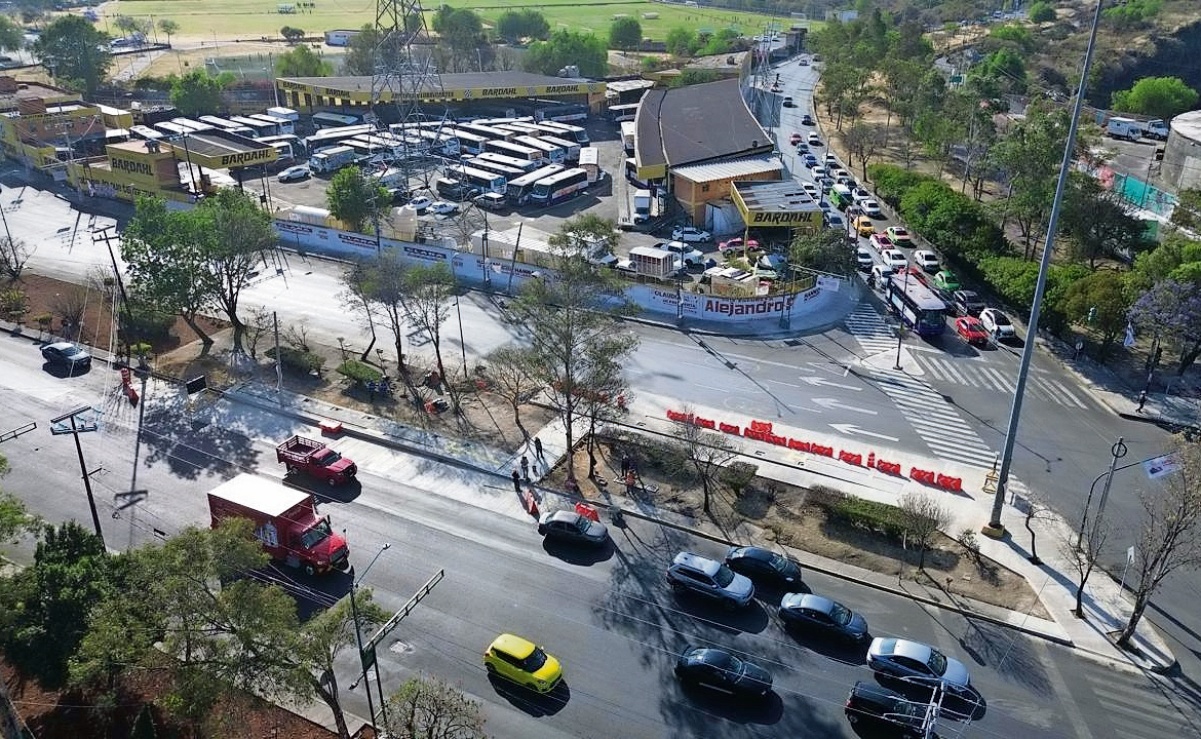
(426, 299)
(681, 41)
(74, 53)
(625, 34)
(12, 37)
(515, 26)
(921, 518)
(824, 250)
(511, 370)
(1169, 538)
(581, 233)
(198, 93)
(1101, 297)
(706, 452)
(356, 300)
(360, 56)
(461, 33)
(128, 25)
(383, 283)
(354, 197)
(565, 48)
(1084, 552)
(1041, 12)
(236, 234)
(302, 62)
(1187, 213)
(863, 143)
(169, 28)
(1172, 310)
(604, 391)
(14, 253)
(1028, 156)
(1158, 97)
(431, 708)
(1097, 223)
(292, 35)
(14, 520)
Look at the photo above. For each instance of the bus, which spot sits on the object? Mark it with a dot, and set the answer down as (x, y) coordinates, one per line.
(469, 143)
(570, 132)
(520, 188)
(481, 179)
(509, 173)
(226, 125)
(556, 111)
(334, 136)
(282, 125)
(559, 187)
(297, 143)
(521, 128)
(333, 120)
(550, 152)
(146, 133)
(261, 128)
(172, 131)
(489, 132)
(194, 126)
(619, 113)
(916, 305)
(571, 148)
(525, 165)
(368, 146)
(517, 151)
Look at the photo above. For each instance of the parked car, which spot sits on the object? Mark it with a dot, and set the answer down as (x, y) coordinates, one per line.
(946, 280)
(822, 615)
(878, 707)
(295, 174)
(737, 244)
(490, 201)
(720, 670)
(863, 258)
(966, 302)
(67, 355)
(807, 120)
(918, 663)
(871, 208)
(625, 265)
(971, 330)
(569, 526)
(690, 234)
(421, 203)
(689, 256)
(997, 324)
(895, 258)
(521, 661)
(764, 567)
(693, 573)
(899, 235)
(444, 208)
(819, 172)
(880, 242)
(927, 260)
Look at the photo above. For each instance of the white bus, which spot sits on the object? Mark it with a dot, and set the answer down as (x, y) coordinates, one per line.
(570, 132)
(336, 135)
(519, 189)
(489, 132)
(619, 113)
(515, 150)
(469, 143)
(525, 165)
(521, 128)
(550, 152)
(282, 125)
(297, 143)
(172, 130)
(571, 148)
(559, 187)
(227, 125)
(146, 133)
(194, 126)
(332, 120)
(260, 127)
(590, 162)
(482, 180)
(509, 173)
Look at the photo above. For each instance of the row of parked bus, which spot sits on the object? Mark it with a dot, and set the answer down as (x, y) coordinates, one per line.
(276, 126)
(541, 186)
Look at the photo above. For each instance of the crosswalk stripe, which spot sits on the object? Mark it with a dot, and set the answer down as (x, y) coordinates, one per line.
(1000, 378)
(1066, 392)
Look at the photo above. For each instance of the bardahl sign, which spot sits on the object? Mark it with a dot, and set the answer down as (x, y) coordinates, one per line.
(782, 218)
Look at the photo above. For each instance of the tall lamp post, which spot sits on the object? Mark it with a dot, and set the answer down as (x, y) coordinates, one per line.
(995, 528)
(358, 634)
(67, 424)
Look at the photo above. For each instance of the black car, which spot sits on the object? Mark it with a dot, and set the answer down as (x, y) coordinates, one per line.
(819, 614)
(967, 303)
(807, 120)
(572, 527)
(871, 705)
(717, 669)
(764, 567)
(68, 355)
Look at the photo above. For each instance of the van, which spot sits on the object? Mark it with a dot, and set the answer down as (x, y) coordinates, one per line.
(841, 195)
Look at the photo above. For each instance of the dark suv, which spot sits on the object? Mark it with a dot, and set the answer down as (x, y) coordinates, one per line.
(871, 705)
(693, 573)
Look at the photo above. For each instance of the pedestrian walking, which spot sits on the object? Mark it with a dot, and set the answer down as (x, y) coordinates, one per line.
(525, 468)
(538, 448)
(630, 481)
(516, 481)
(626, 463)
(1142, 400)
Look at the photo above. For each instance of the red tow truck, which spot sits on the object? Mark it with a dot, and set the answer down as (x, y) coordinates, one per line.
(308, 455)
(285, 521)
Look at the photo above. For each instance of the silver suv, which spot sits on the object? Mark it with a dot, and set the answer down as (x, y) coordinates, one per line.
(693, 573)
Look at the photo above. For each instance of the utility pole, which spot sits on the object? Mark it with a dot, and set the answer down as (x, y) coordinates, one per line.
(66, 424)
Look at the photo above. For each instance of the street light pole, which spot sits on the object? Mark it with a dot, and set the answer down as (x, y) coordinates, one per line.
(995, 527)
(901, 314)
(1118, 450)
(358, 633)
(58, 427)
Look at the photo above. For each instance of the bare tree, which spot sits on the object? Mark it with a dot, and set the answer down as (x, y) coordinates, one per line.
(383, 284)
(14, 253)
(70, 305)
(1169, 537)
(921, 518)
(511, 371)
(603, 389)
(863, 143)
(426, 302)
(706, 452)
(297, 335)
(1084, 552)
(356, 300)
(431, 708)
(259, 322)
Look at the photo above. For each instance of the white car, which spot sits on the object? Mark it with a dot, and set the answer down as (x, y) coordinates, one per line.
(871, 209)
(927, 260)
(840, 174)
(894, 258)
(880, 274)
(830, 160)
(997, 324)
(690, 234)
(443, 208)
(814, 139)
(421, 203)
(689, 256)
(625, 265)
(810, 189)
(294, 174)
(863, 258)
(859, 195)
(819, 172)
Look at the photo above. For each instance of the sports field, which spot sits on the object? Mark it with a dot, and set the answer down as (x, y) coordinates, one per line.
(225, 20)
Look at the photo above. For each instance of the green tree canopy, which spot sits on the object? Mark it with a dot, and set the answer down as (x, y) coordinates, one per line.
(11, 35)
(824, 250)
(354, 197)
(1158, 97)
(359, 60)
(198, 93)
(74, 53)
(568, 47)
(625, 34)
(1103, 296)
(302, 62)
(515, 26)
(681, 41)
(168, 27)
(1097, 223)
(292, 34)
(1041, 12)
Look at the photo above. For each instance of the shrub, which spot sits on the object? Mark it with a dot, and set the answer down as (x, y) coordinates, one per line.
(146, 323)
(866, 514)
(891, 182)
(12, 303)
(296, 359)
(359, 372)
(738, 475)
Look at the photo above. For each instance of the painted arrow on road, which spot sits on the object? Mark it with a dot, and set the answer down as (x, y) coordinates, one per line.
(851, 429)
(834, 403)
(819, 381)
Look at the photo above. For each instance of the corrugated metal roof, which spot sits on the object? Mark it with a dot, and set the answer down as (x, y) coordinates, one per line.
(783, 196)
(730, 168)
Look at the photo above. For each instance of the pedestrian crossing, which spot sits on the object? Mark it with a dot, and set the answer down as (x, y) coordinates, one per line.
(870, 330)
(1137, 707)
(974, 373)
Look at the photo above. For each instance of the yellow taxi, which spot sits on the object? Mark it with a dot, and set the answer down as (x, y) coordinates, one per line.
(521, 661)
(864, 226)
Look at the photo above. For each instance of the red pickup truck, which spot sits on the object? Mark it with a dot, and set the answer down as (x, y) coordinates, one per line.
(308, 455)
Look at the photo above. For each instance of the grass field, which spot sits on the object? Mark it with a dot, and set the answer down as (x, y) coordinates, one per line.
(224, 20)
